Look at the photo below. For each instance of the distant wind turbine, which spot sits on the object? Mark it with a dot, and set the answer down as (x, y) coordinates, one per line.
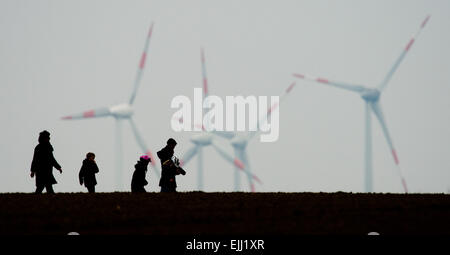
(207, 138)
(239, 142)
(121, 112)
(371, 96)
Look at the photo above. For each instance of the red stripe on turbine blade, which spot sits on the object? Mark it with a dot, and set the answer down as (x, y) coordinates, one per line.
(274, 106)
(200, 126)
(409, 44)
(299, 75)
(89, 114)
(257, 179)
(67, 118)
(238, 163)
(252, 187)
(151, 157)
(142, 63)
(394, 153)
(425, 21)
(404, 185)
(290, 87)
(322, 80)
(205, 86)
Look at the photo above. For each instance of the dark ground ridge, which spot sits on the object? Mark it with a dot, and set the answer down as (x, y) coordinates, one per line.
(222, 214)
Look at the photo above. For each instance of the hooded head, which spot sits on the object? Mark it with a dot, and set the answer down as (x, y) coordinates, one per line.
(171, 143)
(145, 159)
(44, 136)
(90, 155)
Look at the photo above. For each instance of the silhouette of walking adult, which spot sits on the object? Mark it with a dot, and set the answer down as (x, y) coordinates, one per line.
(169, 167)
(43, 163)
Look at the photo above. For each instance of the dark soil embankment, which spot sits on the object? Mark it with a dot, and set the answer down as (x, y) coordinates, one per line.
(225, 213)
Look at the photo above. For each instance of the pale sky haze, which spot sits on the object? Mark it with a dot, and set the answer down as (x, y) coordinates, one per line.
(64, 57)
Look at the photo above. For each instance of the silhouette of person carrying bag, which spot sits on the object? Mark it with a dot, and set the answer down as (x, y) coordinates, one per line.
(170, 167)
(43, 163)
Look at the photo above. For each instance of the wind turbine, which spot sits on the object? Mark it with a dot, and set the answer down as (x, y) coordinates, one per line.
(239, 142)
(206, 138)
(371, 97)
(122, 112)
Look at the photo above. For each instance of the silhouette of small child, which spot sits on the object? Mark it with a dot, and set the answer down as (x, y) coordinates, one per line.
(88, 171)
(138, 181)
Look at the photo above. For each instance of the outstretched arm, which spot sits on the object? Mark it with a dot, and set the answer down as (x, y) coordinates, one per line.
(55, 163)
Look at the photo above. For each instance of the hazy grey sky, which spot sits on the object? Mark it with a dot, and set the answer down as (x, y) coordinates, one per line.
(64, 57)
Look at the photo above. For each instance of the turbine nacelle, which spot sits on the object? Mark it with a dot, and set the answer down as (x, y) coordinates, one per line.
(203, 139)
(121, 111)
(371, 95)
(239, 141)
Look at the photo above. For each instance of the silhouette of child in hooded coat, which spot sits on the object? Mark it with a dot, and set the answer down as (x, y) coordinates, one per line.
(88, 171)
(140, 170)
(43, 163)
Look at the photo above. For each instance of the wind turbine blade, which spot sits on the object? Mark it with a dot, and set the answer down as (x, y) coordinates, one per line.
(144, 147)
(379, 114)
(99, 112)
(224, 134)
(237, 177)
(270, 110)
(205, 86)
(227, 157)
(204, 76)
(346, 86)
(402, 55)
(141, 65)
(238, 163)
(138, 137)
(244, 159)
(188, 155)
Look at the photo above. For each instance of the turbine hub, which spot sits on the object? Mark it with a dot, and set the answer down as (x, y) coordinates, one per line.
(239, 141)
(371, 95)
(202, 139)
(121, 111)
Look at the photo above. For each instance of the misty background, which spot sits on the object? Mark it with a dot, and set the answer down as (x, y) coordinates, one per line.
(63, 57)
